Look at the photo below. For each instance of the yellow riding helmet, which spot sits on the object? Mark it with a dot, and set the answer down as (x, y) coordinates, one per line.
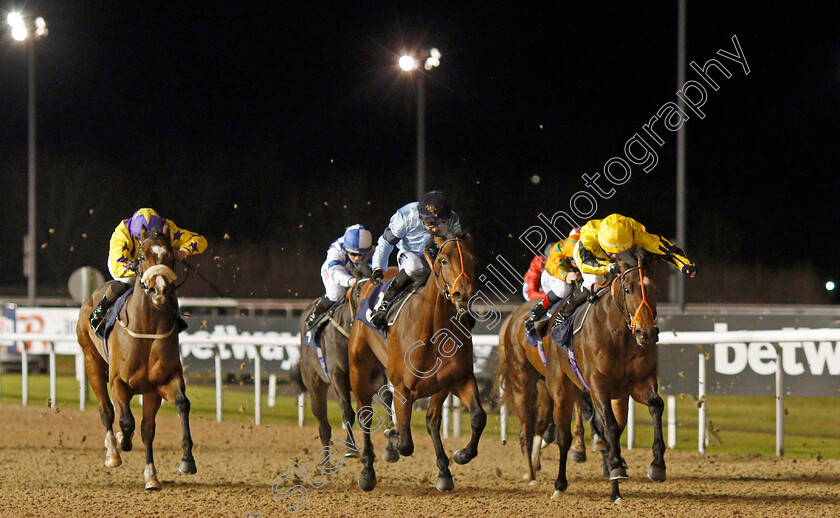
(615, 234)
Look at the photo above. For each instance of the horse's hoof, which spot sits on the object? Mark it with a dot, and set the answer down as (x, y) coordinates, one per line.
(187, 467)
(388, 433)
(578, 455)
(557, 495)
(444, 484)
(656, 474)
(619, 501)
(367, 484)
(461, 457)
(391, 456)
(533, 483)
(112, 462)
(598, 443)
(618, 474)
(150, 475)
(351, 454)
(526, 477)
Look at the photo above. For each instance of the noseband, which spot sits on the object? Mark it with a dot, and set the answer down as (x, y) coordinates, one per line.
(149, 273)
(446, 288)
(629, 319)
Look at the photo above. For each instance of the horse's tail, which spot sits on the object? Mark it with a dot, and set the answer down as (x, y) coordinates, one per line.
(503, 376)
(297, 378)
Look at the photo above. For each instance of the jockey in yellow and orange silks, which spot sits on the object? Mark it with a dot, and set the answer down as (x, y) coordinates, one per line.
(125, 246)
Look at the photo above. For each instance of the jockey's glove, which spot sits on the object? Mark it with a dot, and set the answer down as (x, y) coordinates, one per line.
(689, 269)
(377, 275)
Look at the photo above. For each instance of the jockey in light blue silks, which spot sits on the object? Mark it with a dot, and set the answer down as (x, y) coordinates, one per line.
(346, 256)
(411, 229)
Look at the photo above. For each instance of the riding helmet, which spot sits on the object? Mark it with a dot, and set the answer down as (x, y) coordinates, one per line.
(144, 218)
(434, 207)
(615, 234)
(358, 239)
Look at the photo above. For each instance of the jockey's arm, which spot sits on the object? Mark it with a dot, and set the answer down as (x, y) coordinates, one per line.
(668, 251)
(395, 231)
(585, 256)
(121, 252)
(186, 241)
(557, 264)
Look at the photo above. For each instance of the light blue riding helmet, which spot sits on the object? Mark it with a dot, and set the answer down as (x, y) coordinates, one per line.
(358, 239)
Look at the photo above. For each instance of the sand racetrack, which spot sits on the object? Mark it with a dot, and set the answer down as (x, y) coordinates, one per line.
(52, 464)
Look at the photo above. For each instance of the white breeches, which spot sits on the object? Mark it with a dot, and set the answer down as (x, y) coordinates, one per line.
(412, 263)
(549, 283)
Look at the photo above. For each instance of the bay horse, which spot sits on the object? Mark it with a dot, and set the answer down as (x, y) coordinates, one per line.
(521, 373)
(428, 353)
(616, 355)
(144, 357)
(333, 341)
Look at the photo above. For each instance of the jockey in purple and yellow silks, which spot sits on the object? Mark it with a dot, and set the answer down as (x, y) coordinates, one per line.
(123, 250)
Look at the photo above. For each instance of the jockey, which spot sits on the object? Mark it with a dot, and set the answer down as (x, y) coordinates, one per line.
(532, 285)
(601, 240)
(410, 229)
(347, 259)
(124, 247)
(557, 277)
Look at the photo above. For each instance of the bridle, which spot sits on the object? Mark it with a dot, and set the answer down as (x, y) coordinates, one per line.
(446, 288)
(136, 267)
(631, 319)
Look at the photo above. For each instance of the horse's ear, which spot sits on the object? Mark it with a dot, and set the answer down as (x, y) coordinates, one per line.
(629, 257)
(166, 229)
(143, 233)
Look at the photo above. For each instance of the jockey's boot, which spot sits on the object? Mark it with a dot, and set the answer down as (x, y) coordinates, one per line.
(537, 313)
(321, 305)
(379, 317)
(571, 303)
(179, 318)
(97, 316)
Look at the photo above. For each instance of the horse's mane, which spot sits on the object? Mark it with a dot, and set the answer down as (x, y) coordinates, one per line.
(636, 256)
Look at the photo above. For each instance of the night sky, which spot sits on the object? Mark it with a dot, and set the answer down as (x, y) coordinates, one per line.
(278, 125)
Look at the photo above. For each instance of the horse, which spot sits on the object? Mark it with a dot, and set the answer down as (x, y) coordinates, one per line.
(144, 357)
(616, 356)
(428, 353)
(308, 373)
(521, 373)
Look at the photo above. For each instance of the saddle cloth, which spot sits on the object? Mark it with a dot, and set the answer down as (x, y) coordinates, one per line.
(111, 322)
(367, 304)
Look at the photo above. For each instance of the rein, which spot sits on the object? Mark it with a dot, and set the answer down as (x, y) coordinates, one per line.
(629, 319)
(445, 289)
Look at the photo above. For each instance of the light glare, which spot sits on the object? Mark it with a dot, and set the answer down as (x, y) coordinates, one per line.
(14, 19)
(407, 63)
(41, 27)
(19, 32)
(435, 54)
(829, 286)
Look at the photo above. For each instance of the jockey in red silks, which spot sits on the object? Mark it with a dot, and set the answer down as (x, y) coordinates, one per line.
(532, 285)
(124, 248)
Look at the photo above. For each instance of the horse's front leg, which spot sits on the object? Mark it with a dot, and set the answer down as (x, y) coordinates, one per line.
(122, 397)
(433, 419)
(578, 448)
(612, 433)
(649, 396)
(362, 361)
(467, 391)
(175, 393)
(97, 371)
(403, 404)
(151, 404)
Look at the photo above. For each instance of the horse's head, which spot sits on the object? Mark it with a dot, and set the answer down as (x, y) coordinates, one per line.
(637, 295)
(454, 268)
(155, 265)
